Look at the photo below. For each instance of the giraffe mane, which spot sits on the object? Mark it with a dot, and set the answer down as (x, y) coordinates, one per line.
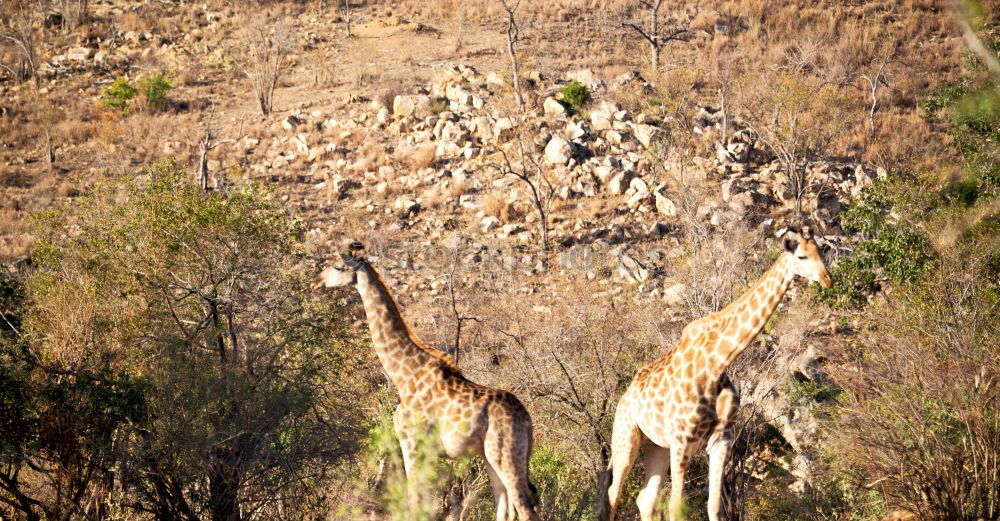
(445, 358)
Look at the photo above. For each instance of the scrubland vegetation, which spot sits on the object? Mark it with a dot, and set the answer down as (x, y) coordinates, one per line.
(174, 174)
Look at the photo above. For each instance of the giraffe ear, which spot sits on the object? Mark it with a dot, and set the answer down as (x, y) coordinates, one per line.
(791, 239)
(354, 250)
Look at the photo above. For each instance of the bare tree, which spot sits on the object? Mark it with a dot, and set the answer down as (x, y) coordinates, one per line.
(527, 166)
(210, 141)
(513, 37)
(797, 116)
(17, 31)
(875, 78)
(347, 17)
(72, 12)
(263, 49)
(654, 32)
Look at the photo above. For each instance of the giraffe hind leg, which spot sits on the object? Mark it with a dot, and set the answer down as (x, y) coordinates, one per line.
(657, 460)
(507, 451)
(625, 438)
(499, 494)
(719, 445)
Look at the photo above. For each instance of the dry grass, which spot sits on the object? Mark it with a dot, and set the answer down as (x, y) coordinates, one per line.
(457, 188)
(495, 206)
(423, 156)
(9, 221)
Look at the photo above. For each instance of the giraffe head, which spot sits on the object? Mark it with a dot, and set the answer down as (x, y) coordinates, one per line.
(806, 260)
(343, 272)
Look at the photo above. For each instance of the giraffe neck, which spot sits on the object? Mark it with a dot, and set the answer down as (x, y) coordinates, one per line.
(741, 321)
(400, 352)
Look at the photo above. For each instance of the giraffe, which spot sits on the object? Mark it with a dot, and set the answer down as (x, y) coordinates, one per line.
(683, 402)
(435, 396)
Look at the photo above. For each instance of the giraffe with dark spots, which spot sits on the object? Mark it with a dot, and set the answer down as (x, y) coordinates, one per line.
(434, 396)
(691, 385)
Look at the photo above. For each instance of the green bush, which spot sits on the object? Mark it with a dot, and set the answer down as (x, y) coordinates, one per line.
(888, 251)
(154, 334)
(575, 95)
(917, 417)
(155, 89)
(118, 95)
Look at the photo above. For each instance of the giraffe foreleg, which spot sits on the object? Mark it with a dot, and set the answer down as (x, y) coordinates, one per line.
(679, 458)
(407, 445)
(719, 445)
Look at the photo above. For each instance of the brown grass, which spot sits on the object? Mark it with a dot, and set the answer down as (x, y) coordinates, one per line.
(422, 156)
(495, 206)
(457, 188)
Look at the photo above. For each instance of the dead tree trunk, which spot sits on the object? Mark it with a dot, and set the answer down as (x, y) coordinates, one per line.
(347, 17)
(874, 80)
(207, 144)
(513, 36)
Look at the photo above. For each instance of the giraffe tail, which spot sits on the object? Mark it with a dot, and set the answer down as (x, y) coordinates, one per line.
(534, 495)
(603, 501)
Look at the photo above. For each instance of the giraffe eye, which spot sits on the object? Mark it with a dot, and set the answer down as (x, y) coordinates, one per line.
(802, 257)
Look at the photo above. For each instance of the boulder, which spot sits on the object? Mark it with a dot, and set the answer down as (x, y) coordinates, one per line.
(494, 78)
(80, 54)
(574, 130)
(552, 107)
(417, 106)
(665, 206)
(558, 151)
(489, 224)
(407, 206)
(459, 95)
(603, 172)
(675, 295)
(503, 129)
(602, 117)
(631, 270)
(620, 182)
(584, 76)
(291, 122)
(646, 134)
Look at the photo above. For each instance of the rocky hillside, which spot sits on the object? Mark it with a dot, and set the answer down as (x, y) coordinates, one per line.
(556, 238)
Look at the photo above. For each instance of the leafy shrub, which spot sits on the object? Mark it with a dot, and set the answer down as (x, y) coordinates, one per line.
(158, 367)
(575, 95)
(920, 417)
(804, 391)
(154, 88)
(887, 250)
(118, 95)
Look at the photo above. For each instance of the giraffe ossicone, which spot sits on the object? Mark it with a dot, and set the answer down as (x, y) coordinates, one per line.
(466, 418)
(683, 402)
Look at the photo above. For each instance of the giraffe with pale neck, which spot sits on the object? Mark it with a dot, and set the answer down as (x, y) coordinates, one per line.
(684, 401)
(466, 418)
